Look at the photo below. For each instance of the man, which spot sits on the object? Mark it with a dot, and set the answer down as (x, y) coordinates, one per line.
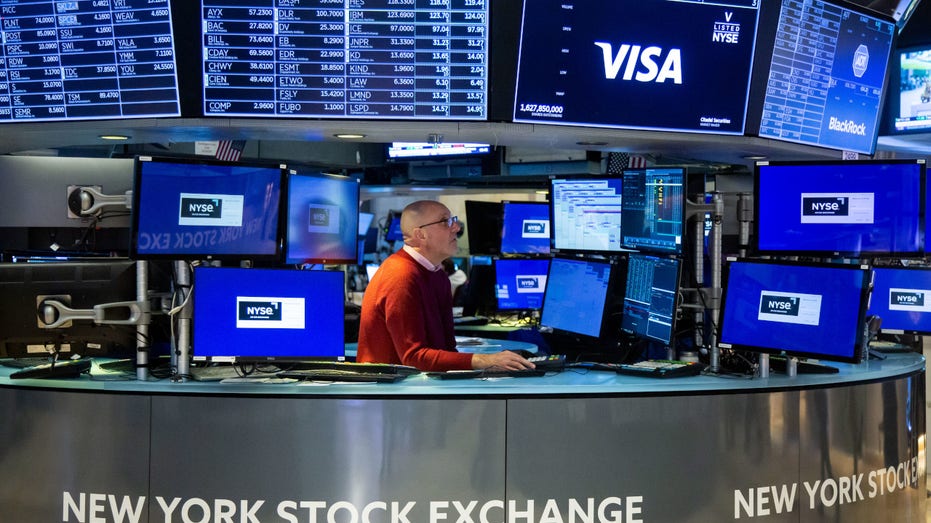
(407, 315)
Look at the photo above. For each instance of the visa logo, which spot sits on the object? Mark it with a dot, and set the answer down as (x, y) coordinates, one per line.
(916, 299)
(833, 206)
(779, 305)
(635, 59)
(258, 310)
(528, 283)
(201, 208)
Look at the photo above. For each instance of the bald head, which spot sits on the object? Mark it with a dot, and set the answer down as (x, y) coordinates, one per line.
(418, 213)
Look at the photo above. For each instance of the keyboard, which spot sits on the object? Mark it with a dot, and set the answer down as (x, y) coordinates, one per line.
(61, 369)
(23, 363)
(548, 362)
(341, 375)
(660, 368)
(479, 374)
(470, 320)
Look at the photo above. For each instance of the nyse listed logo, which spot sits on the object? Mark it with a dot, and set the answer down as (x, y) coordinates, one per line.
(909, 300)
(201, 208)
(530, 283)
(837, 207)
(816, 206)
(212, 210)
(726, 32)
(784, 305)
(319, 217)
(642, 64)
(789, 307)
(265, 312)
(323, 218)
(535, 229)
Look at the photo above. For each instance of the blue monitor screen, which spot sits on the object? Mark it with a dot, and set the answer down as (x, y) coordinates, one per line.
(323, 219)
(844, 207)
(520, 283)
(526, 228)
(653, 209)
(650, 298)
(394, 234)
(902, 299)
(263, 314)
(813, 311)
(589, 63)
(576, 296)
(585, 214)
(191, 209)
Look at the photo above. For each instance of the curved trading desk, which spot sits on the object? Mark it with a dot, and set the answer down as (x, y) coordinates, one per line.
(583, 446)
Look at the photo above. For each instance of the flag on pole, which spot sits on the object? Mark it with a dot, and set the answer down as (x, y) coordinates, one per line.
(617, 162)
(230, 150)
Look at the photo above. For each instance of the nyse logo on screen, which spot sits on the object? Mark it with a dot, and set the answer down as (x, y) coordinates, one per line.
(909, 300)
(726, 32)
(323, 218)
(837, 207)
(211, 210)
(319, 217)
(530, 283)
(640, 64)
(201, 208)
(783, 305)
(789, 307)
(265, 312)
(536, 229)
(833, 206)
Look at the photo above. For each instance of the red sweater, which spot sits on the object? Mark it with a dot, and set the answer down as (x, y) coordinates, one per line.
(407, 318)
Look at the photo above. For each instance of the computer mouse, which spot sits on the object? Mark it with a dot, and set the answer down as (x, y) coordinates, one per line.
(523, 353)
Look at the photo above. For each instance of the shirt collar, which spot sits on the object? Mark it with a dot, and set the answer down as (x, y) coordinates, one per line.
(421, 259)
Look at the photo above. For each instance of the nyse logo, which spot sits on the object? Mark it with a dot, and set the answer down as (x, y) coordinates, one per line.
(831, 206)
(640, 64)
(260, 311)
(535, 229)
(530, 283)
(782, 305)
(202, 208)
(790, 307)
(726, 32)
(319, 217)
(323, 218)
(906, 298)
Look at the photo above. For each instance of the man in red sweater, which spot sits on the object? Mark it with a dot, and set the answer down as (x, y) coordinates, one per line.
(407, 309)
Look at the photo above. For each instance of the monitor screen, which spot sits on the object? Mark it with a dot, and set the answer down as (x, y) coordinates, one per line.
(435, 151)
(568, 310)
(483, 226)
(264, 314)
(365, 222)
(585, 214)
(393, 232)
(587, 62)
(526, 228)
(902, 299)
(825, 82)
(323, 219)
(651, 297)
(653, 209)
(77, 285)
(914, 91)
(205, 209)
(520, 283)
(346, 59)
(806, 310)
(87, 60)
(843, 207)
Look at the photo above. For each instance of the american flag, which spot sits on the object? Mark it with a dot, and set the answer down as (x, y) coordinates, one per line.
(230, 150)
(617, 162)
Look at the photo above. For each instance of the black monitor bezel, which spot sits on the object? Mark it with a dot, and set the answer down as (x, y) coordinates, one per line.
(884, 329)
(610, 323)
(677, 250)
(504, 205)
(676, 299)
(285, 214)
(552, 209)
(494, 263)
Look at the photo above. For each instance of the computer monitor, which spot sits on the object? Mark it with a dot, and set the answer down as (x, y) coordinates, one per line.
(520, 283)
(483, 224)
(653, 209)
(77, 285)
(854, 208)
(585, 214)
(196, 209)
(651, 297)
(393, 231)
(414, 151)
(902, 299)
(910, 93)
(578, 299)
(323, 219)
(525, 228)
(800, 309)
(365, 221)
(267, 314)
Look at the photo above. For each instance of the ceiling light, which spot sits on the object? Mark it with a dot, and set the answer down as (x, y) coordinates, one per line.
(754, 157)
(350, 136)
(114, 137)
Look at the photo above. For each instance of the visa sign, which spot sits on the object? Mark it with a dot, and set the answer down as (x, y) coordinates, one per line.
(640, 64)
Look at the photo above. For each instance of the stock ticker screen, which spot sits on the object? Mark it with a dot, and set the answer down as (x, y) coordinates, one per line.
(410, 59)
(585, 62)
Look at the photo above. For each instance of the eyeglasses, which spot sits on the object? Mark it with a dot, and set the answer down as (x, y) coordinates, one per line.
(448, 221)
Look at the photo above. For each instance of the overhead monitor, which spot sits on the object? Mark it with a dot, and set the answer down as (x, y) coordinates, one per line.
(651, 297)
(855, 208)
(805, 310)
(267, 314)
(520, 283)
(653, 209)
(411, 151)
(525, 228)
(910, 96)
(568, 310)
(322, 219)
(483, 226)
(87, 60)
(823, 83)
(591, 63)
(585, 214)
(197, 209)
(902, 299)
(346, 60)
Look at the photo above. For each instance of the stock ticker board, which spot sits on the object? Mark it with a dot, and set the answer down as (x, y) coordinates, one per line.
(404, 59)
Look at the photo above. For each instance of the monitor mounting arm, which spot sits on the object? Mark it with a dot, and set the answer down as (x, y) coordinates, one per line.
(86, 200)
(52, 312)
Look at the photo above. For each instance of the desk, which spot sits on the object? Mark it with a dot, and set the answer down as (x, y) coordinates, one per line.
(484, 346)
(703, 448)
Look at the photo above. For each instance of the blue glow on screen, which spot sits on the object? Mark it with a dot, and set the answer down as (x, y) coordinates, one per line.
(323, 219)
(520, 283)
(902, 299)
(576, 291)
(526, 228)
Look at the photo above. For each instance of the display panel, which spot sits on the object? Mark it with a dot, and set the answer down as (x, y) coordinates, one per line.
(483, 226)
(568, 310)
(902, 299)
(585, 62)
(526, 228)
(585, 214)
(843, 207)
(651, 297)
(87, 60)
(653, 209)
(825, 80)
(805, 310)
(914, 91)
(205, 209)
(393, 232)
(438, 151)
(346, 59)
(520, 283)
(323, 219)
(267, 314)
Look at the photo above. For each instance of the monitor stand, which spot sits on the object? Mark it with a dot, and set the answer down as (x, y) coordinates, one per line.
(792, 366)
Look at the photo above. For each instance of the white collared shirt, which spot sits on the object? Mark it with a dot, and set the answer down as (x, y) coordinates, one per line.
(421, 259)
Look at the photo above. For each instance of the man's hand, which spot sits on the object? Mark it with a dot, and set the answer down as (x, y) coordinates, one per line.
(504, 360)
